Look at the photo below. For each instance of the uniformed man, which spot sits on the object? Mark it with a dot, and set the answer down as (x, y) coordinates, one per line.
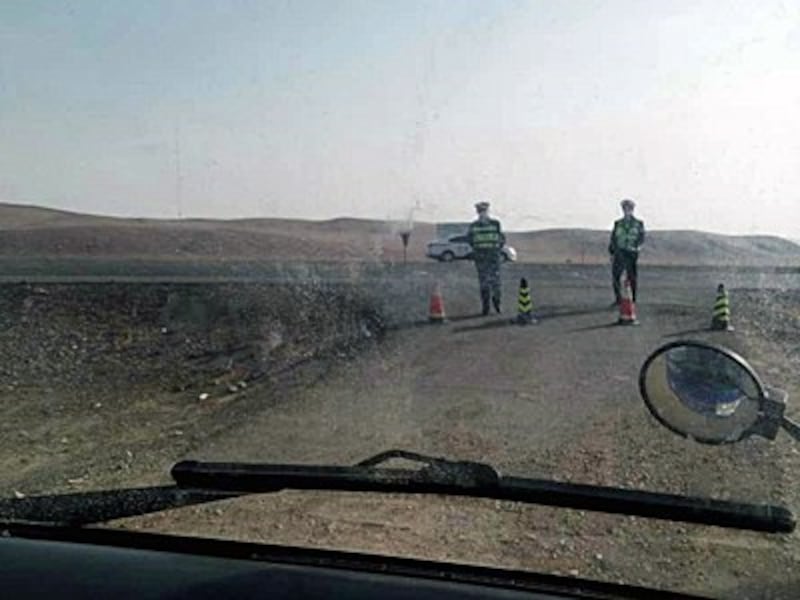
(486, 237)
(627, 238)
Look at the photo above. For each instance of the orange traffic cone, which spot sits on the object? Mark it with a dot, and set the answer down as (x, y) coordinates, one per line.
(627, 308)
(436, 314)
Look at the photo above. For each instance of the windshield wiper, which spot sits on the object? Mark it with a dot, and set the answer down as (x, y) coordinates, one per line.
(199, 482)
(478, 480)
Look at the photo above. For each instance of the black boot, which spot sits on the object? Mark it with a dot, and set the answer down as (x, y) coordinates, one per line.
(496, 302)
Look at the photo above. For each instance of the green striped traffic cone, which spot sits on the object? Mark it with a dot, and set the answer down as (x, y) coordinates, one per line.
(721, 316)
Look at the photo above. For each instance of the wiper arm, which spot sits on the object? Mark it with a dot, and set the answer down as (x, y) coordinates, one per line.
(202, 482)
(436, 476)
(478, 480)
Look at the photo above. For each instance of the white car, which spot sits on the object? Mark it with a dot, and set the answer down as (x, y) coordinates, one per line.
(457, 248)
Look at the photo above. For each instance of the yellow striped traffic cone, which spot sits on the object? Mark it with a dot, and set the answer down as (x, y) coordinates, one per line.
(721, 316)
(525, 304)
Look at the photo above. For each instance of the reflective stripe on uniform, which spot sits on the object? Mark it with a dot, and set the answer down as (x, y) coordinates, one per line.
(485, 236)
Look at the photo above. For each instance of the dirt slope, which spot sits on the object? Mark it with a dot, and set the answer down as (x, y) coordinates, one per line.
(29, 231)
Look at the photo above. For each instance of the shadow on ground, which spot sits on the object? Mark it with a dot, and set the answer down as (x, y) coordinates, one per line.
(596, 327)
(493, 324)
(420, 323)
(542, 314)
(555, 312)
(466, 317)
(687, 332)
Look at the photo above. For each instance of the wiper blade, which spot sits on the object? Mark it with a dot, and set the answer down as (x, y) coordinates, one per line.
(86, 508)
(202, 482)
(478, 480)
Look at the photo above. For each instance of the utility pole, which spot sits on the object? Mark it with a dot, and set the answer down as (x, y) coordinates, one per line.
(178, 174)
(404, 235)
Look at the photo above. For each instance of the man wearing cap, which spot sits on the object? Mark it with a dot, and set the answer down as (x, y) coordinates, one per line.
(486, 237)
(627, 238)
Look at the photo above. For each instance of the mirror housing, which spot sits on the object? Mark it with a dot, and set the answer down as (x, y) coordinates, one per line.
(709, 393)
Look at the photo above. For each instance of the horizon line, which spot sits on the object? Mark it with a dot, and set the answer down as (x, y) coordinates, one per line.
(389, 222)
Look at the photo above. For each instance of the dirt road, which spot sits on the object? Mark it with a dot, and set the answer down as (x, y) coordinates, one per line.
(558, 399)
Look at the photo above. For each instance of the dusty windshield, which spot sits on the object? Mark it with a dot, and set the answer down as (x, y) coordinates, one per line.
(310, 232)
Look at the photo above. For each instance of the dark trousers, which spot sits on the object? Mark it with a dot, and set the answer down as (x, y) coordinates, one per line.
(488, 267)
(624, 261)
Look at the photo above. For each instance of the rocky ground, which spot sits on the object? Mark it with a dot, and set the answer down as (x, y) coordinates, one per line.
(105, 385)
(99, 380)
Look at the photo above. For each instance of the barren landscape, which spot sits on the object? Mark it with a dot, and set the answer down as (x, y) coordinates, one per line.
(128, 345)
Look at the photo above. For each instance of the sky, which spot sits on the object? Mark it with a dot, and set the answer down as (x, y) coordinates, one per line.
(553, 111)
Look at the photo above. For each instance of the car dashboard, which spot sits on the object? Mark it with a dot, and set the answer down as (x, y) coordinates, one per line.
(64, 562)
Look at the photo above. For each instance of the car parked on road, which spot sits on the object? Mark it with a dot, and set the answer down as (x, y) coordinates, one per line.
(457, 247)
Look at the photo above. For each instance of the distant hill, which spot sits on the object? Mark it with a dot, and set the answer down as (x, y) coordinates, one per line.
(32, 231)
(665, 247)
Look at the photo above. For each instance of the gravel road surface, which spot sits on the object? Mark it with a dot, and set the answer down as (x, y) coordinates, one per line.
(558, 400)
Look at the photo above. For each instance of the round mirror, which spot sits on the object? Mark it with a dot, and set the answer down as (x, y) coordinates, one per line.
(700, 391)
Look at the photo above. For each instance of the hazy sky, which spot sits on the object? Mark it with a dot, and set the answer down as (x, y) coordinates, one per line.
(553, 110)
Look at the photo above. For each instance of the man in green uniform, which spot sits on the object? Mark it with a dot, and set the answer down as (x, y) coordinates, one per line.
(486, 237)
(627, 238)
